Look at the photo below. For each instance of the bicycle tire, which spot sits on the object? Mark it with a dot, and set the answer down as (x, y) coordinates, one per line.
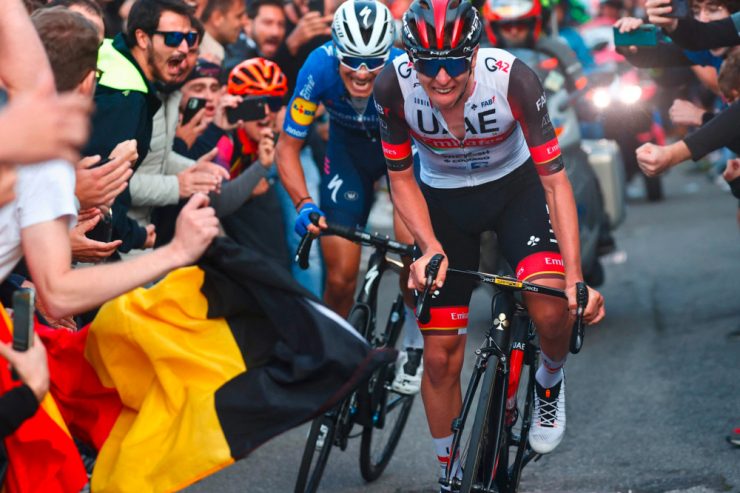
(488, 434)
(373, 465)
(520, 458)
(310, 472)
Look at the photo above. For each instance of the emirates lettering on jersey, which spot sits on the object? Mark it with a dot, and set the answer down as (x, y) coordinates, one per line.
(453, 143)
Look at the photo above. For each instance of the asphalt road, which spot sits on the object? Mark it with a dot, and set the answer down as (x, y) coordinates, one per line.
(650, 398)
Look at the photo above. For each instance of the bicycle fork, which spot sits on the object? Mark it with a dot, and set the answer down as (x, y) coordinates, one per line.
(519, 337)
(495, 344)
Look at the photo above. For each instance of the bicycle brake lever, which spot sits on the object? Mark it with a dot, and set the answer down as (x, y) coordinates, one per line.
(422, 307)
(578, 333)
(304, 247)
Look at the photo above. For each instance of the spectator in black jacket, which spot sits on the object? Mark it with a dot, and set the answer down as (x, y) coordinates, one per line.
(151, 54)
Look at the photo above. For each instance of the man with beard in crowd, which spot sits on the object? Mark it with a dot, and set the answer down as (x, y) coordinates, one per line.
(132, 68)
(263, 34)
(223, 21)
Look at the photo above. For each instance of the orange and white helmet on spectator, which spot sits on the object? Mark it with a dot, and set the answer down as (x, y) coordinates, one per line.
(258, 77)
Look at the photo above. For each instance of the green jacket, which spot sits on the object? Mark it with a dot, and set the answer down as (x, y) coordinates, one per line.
(125, 104)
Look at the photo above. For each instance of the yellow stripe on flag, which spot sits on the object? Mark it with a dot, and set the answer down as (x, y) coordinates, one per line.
(157, 347)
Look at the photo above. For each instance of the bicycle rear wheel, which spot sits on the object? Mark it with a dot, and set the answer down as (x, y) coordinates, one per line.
(379, 441)
(389, 410)
(316, 454)
(487, 437)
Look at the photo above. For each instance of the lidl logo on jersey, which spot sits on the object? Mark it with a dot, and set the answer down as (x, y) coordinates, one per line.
(302, 112)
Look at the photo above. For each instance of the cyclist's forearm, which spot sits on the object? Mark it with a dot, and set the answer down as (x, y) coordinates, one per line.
(288, 157)
(411, 205)
(564, 220)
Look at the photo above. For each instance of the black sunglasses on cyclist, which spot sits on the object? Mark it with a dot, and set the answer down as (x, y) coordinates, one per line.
(275, 103)
(431, 66)
(173, 39)
(355, 63)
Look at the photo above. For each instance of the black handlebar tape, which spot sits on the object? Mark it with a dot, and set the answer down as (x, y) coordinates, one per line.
(304, 247)
(343, 231)
(422, 305)
(576, 337)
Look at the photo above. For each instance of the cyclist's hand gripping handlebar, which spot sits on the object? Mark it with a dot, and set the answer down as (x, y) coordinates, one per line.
(576, 337)
(304, 247)
(422, 304)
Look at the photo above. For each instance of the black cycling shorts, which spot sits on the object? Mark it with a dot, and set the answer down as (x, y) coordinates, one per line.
(514, 208)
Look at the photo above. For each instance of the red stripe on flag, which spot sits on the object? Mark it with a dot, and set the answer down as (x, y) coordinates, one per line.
(89, 408)
(41, 454)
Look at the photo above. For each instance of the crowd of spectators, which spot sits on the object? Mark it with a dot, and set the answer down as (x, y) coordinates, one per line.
(706, 41)
(104, 184)
(105, 85)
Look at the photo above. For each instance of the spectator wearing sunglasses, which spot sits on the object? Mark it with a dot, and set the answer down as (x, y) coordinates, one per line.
(223, 21)
(340, 75)
(150, 55)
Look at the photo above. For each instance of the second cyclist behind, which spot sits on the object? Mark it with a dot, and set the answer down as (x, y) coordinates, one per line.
(340, 75)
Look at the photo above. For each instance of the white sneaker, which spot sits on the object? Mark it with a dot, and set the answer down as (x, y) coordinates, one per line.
(548, 418)
(409, 368)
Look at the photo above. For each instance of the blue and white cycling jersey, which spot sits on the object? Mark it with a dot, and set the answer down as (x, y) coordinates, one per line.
(319, 82)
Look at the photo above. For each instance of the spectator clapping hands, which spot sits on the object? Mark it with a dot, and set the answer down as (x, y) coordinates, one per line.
(99, 186)
(204, 176)
(85, 249)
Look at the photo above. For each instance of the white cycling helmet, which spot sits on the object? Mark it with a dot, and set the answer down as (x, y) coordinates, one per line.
(362, 28)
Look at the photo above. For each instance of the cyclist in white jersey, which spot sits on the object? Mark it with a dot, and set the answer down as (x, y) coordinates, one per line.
(490, 160)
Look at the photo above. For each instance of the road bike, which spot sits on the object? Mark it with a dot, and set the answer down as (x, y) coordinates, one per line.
(380, 412)
(492, 454)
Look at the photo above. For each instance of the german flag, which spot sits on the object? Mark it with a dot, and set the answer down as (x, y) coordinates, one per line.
(180, 380)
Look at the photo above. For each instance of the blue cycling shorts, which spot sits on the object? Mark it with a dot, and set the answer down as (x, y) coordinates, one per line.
(354, 162)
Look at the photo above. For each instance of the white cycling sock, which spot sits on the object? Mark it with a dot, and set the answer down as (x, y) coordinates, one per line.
(550, 371)
(411, 334)
(442, 448)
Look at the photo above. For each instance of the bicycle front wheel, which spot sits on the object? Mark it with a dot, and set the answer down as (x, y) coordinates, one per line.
(379, 441)
(486, 440)
(316, 454)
